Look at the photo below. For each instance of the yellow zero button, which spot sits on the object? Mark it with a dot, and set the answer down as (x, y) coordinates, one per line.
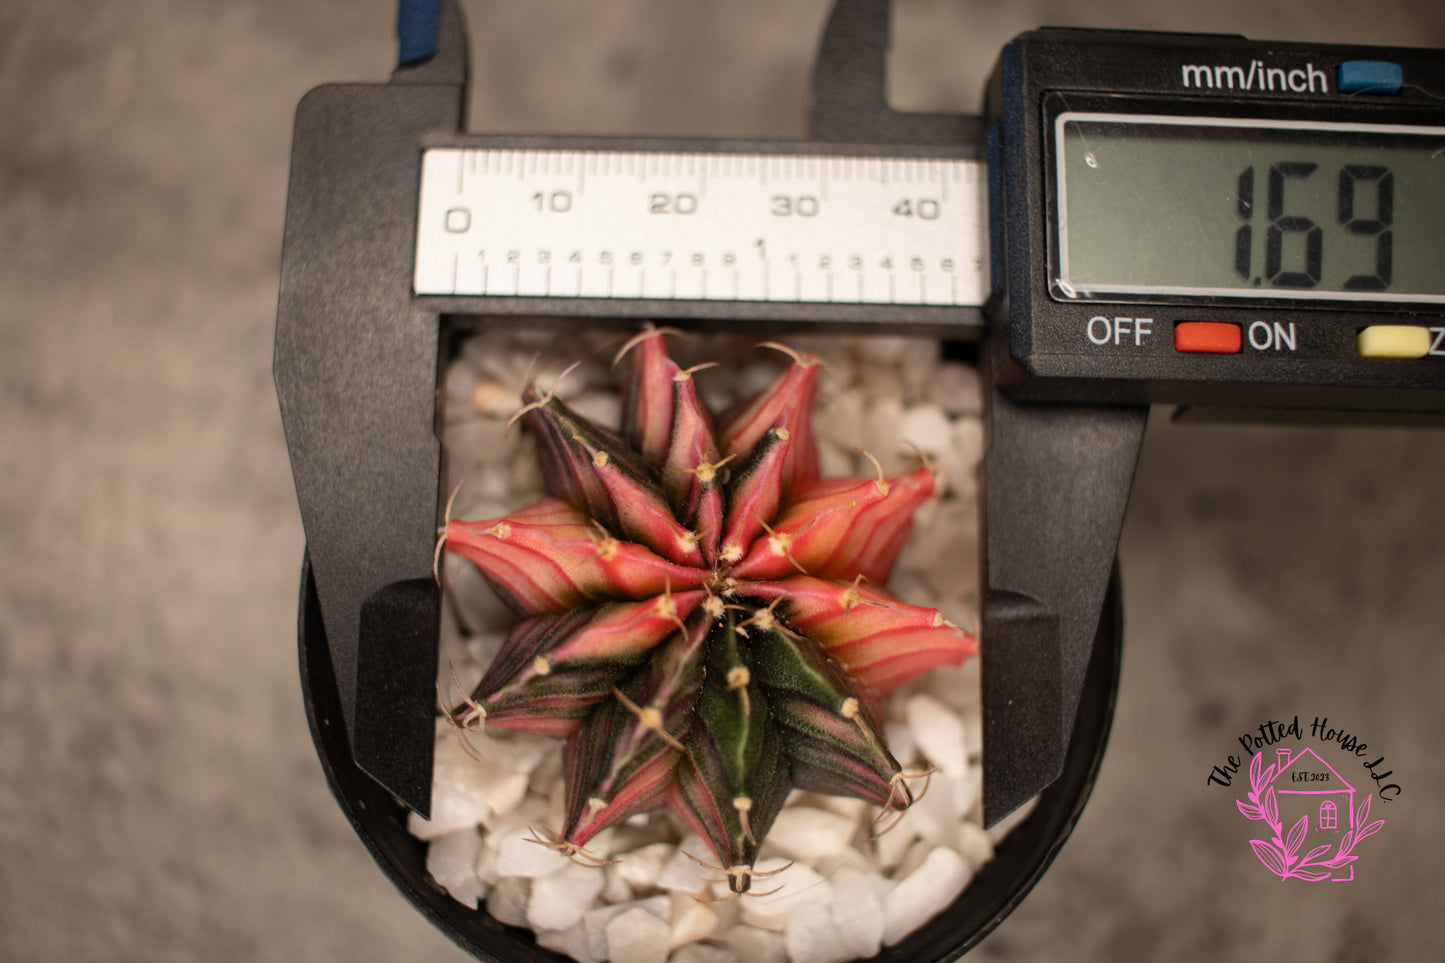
(1394, 341)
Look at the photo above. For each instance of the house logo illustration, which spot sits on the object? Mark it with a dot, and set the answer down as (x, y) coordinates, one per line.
(1315, 821)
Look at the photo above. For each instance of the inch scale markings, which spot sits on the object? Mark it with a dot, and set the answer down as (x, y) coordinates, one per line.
(692, 226)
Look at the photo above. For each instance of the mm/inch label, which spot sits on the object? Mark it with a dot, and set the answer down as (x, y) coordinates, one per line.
(700, 226)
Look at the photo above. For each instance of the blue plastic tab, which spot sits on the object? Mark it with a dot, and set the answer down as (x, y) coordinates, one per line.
(416, 30)
(1370, 77)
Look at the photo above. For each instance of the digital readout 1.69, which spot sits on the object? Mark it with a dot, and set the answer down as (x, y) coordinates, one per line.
(1220, 208)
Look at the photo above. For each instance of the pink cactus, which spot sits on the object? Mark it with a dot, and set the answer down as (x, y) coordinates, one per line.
(702, 616)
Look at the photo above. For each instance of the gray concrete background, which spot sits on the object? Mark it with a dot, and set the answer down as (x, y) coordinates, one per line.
(159, 797)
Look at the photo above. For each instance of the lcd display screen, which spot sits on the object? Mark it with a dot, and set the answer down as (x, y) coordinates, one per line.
(1248, 208)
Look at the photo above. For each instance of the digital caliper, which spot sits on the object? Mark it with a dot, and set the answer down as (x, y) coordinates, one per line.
(1244, 229)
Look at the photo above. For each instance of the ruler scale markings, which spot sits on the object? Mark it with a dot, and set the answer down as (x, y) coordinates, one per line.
(630, 225)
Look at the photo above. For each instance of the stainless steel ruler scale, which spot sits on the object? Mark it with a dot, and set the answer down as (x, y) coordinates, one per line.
(699, 226)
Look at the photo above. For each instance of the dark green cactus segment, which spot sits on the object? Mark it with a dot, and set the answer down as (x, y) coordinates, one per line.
(837, 755)
(527, 676)
(736, 776)
(595, 470)
(832, 736)
(733, 816)
(657, 705)
(732, 706)
(568, 442)
(794, 664)
(623, 757)
(610, 776)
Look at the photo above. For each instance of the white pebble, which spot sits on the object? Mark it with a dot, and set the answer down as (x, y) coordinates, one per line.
(885, 350)
(490, 397)
(806, 833)
(849, 807)
(849, 857)
(924, 894)
(857, 912)
(507, 901)
(572, 941)
(617, 889)
(900, 741)
(641, 867)
(637, 936)
(838, 419)
(968, 440)
(600, 407)
(893, 845)
(925, 426)
(525, 475)
(756, 377)
(518, 855)
(757, 946)
(477, 441)
(452, 862)
(461, 787)
(935, 814)
(507, 794)
(974, 845)
(596, 920)
(458, 383)
(704, 953)
(967, 789)
(972, 728)
(691, 920)
(921, 357)
(939, 732)
(686, 875)
(835, 462)
(813, 937)
(532, 812)
(797, 885)
(913, 859)
(490, 484)
(957, 389)
(881, 433)
(559, 899)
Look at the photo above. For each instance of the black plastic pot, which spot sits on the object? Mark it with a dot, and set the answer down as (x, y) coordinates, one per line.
(1000, 886)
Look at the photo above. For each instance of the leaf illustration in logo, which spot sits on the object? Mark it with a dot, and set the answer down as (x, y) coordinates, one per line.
(1362, 812)
(1267, 854)
(1315, 853)
(1256, 771)
(1271, 806)
(1250, 812)
(1296, 836)
(1369, 830)
(1313, 875)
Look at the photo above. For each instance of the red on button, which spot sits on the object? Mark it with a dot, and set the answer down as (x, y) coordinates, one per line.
(1208, 337)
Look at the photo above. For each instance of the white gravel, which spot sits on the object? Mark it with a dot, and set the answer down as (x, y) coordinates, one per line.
(842, 894)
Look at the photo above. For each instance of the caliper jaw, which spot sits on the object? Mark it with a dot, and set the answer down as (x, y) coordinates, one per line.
(1056, 483)
(356, 374)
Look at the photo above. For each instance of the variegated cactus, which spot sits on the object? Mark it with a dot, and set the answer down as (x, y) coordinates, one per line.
(703, 617)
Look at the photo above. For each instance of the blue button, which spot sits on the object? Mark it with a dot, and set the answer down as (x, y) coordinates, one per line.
(1370, 77)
